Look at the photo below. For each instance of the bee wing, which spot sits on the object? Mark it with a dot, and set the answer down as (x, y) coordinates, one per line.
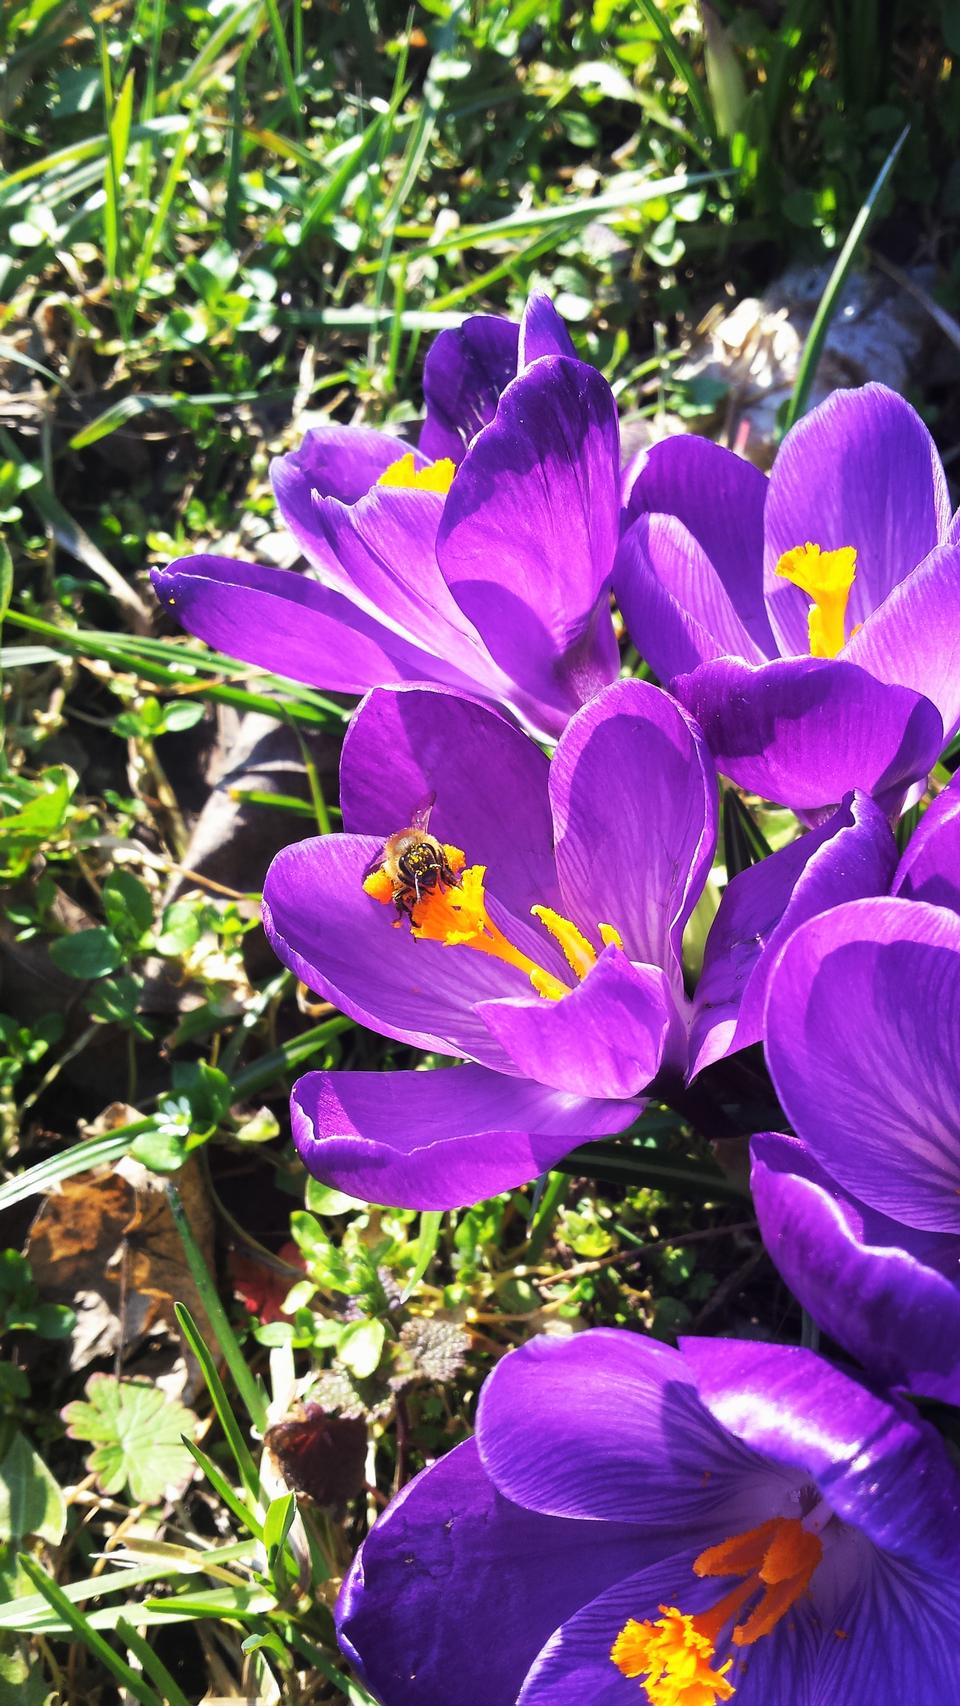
(421, 814)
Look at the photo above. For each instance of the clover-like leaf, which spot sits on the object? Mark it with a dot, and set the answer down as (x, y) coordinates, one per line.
(135, 1430)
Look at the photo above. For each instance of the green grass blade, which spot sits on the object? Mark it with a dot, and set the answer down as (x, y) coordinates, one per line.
(81, 1627)
(233, 1356)
(827, 305)
(680, 62)
(246, 1467)
(158, 224)
(152, 1666)
(286, 65)
(223, 1489)
(431, 1220)
(31, 1613)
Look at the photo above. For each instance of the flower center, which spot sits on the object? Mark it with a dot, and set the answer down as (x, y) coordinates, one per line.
(436, 477)
(458, 917)
(673, 1655)
(826, 577)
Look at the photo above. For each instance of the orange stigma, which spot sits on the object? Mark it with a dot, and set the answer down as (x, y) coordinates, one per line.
(826, 577)
(458, 918)
(435, 477)
(672, 1657)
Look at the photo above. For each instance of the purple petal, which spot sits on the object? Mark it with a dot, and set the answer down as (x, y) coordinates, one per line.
(854, 854)
(804, 731)
(634, 854)
(873, 1284)
(442, 1139)
(542, 332)
(456, 1588)
(607, 1426)
(719, 498)
(675, 606)
(490, 783)
(279, 620)
(861, 1027)
(575, 1666)
(913, 638)
(860, 470)
(339, 461)
(898, 1640)
(608, 1037)
(463, 376)
(350, 949)
(878, 1466)
(930, 867)
(530, 528)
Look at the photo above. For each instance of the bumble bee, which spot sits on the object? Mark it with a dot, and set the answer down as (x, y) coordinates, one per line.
(415, 862)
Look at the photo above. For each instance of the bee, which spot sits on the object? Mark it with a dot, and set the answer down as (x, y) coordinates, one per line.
(415, 862)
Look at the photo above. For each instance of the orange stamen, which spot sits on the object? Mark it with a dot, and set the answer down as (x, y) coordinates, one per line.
(826, 577)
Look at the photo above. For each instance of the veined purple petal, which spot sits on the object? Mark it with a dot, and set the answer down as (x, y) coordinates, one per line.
(542, 332)
(930, 867)
(674, 603)
(464, 373)
(634, 799)
(860, 470)
(608, 1037)
(450, 1541)
(804, 731)
(278, 620)
(530, 529)
(719, 498)
(442, 1139)
(350, 948)
(852, 855)
(913, 637)
(898, 1640)
(607, 1426)
(878, 1466)
(877, 1287)
(490, 783)
(339, 461)
(861, 1027)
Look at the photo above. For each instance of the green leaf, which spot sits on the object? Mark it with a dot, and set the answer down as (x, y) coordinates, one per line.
(278, 1521)
(162, 1151)
(181, 716)
(30, 1500)
(91, 953)
(180, 929)
(360, 1347)
(324, 1199)
(135, 1430)
(128, 905)
(6, 578)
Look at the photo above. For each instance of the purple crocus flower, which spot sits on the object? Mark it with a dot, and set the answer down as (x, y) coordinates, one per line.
(810, 622)
(481, 560)
(861, 1210)
(635, 1525)
(552, 968)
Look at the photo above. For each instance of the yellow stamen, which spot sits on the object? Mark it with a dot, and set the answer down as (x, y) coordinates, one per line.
(457, 916)
(672, 1656)
(673, 1659)
(436, 477)
(826, 577)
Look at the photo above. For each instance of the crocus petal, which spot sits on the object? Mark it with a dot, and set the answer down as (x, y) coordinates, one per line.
(895, 1640)
(608, 1037)
(860, 470)
(530, 528)
(439, 1140)
(465, 371)
(619, 1437)
(804, 731)
(913, 638)
(449, 1540)
(853, 1272)
(634, 855)
(282, 621)
(575, 1666)
(673, 601)
(350, 949)
(339, 461)
(488, 779)
(930, 867)
(719, 498)
(861, 1031)
(852, 855)
(876, 1463)
(542, 332)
